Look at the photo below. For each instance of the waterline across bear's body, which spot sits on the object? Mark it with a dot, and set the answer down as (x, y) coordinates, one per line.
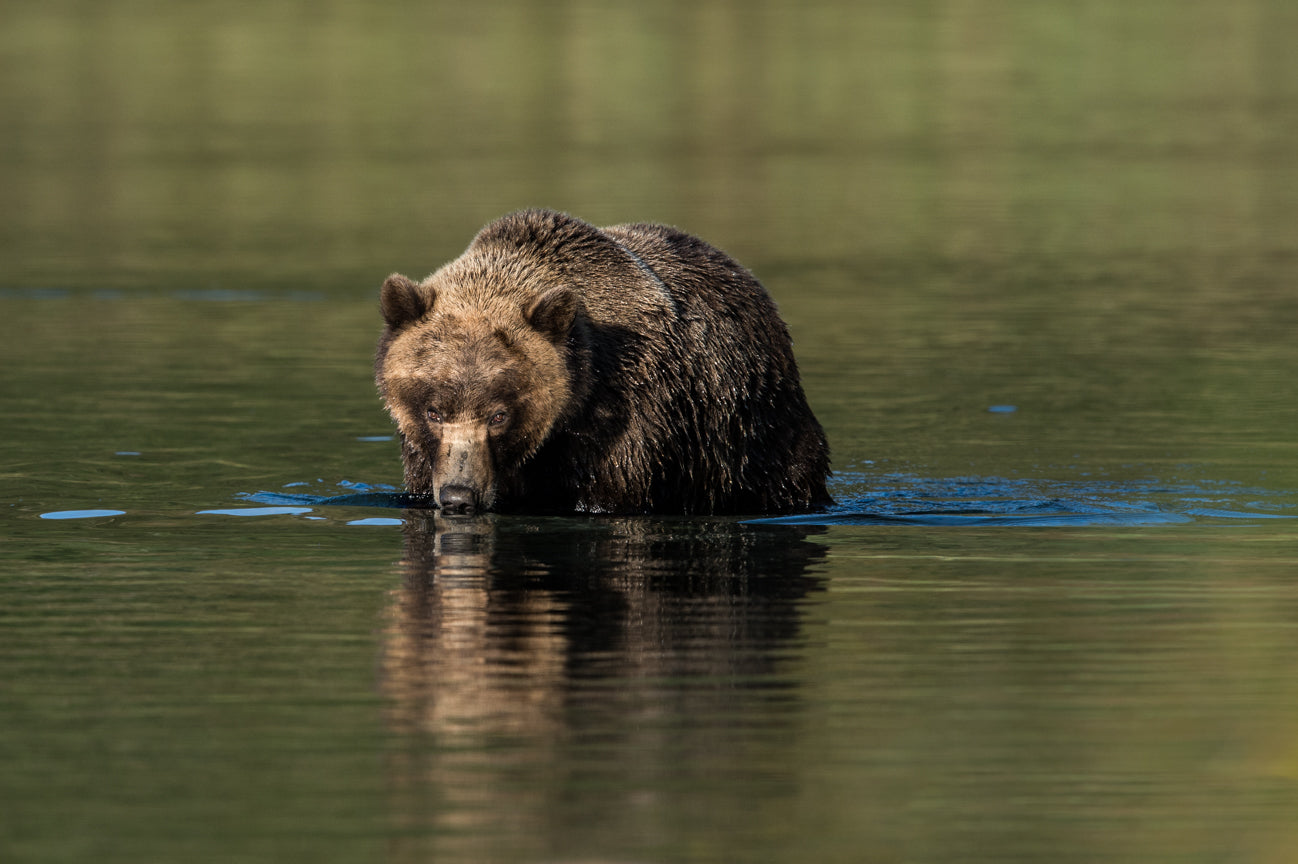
(559, 367)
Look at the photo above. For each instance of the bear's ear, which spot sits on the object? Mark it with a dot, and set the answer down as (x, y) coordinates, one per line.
(403, 301)
(553, 312)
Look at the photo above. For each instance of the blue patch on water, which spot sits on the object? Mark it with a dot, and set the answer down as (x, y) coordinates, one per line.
(357, 495)
(257, 511)
(82, 514)
(903, 499)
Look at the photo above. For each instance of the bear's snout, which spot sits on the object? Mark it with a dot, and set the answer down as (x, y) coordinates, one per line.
(462, 477)
(457, 499)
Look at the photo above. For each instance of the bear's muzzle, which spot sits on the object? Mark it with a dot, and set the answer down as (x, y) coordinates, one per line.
(463, 479)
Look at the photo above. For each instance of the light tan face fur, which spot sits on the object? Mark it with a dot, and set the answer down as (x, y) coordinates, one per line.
(472, 399)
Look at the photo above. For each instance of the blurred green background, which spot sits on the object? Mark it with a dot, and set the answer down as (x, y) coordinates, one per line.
(161, 142)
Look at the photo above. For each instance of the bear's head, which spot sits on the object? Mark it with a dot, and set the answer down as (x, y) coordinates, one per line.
(475, 379)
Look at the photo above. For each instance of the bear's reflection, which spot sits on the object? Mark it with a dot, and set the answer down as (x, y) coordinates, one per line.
(511, 641)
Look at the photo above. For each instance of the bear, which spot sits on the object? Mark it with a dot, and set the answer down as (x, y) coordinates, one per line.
(559, 368)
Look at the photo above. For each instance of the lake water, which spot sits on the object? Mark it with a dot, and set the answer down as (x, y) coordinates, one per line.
(1040, 261)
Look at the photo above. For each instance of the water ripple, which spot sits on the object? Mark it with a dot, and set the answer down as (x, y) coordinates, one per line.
(905, 499)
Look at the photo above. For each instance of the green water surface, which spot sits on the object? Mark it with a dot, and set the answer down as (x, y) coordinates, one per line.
(1085, 211)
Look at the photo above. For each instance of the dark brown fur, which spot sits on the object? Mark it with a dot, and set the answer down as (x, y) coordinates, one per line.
(559, 367)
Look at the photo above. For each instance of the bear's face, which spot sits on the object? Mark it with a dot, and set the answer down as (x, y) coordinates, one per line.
(474, 391)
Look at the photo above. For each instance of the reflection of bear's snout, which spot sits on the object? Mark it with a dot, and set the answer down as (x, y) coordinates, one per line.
(457, 499)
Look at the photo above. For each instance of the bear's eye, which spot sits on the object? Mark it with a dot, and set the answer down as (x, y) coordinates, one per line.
(497, 418)
(434, 415)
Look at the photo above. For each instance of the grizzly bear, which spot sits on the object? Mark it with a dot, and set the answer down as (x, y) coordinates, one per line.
(556, 367)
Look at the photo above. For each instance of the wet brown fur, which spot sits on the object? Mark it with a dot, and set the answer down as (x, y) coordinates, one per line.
(638, 369)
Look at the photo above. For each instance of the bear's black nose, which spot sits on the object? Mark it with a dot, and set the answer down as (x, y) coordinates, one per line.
(457, 499)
